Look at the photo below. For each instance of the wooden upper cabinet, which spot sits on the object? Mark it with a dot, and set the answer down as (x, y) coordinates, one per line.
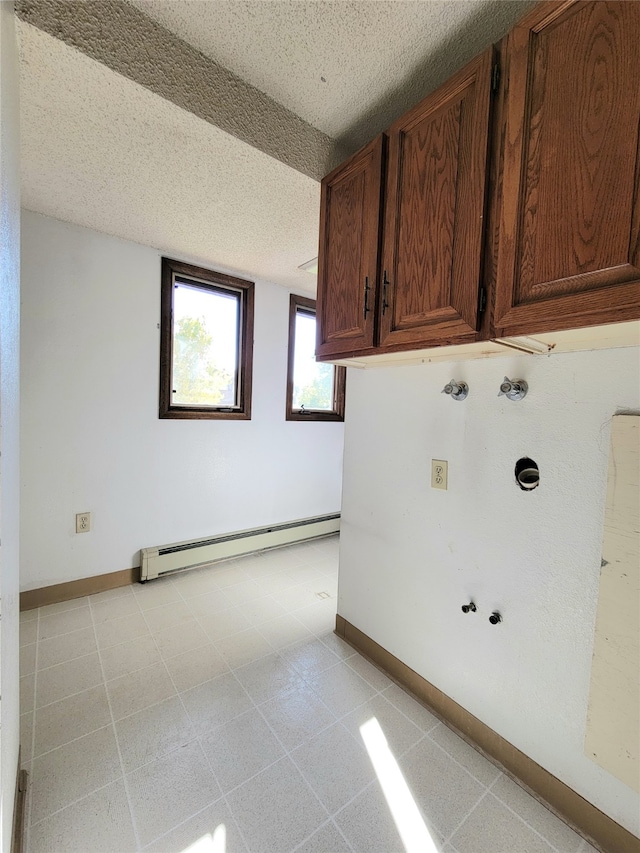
(434, 213)
(349, 253)
(568, 227)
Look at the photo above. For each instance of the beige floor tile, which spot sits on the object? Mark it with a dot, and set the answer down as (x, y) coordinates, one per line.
(400, 733)
(152, 733)
(476, 764)
(223, 623)
(228, 574)
(172, 641)
(168, 616)
(28, 615)
(214, 822)
(129, 657)
(341, 688)
(70, 772)
(276, 809)
(111, 594)
(369, 827)
(120, 630)
(114, 608)
(244, 647)
(556, 832)
(71, 718)
(195, 667)
(310, 657)
(209, 604)
(195, 582)
(138, 690)
(63, 623)
(297, 716)
(295, 598)
(64, 679)
(170, 790)
(27, 659)
(375, 677)
(240, 749)
(337, 645)
(261, 610)
(66, 647)
(61, 606)
(27, 692)
(100, 822)
(443, 791)
(335, 765)
(411, 708)
(319, 618)
(327, 838)
(156, 593)
(493, 828)
(244, 592)
(268, 677)
(28, 633)
(215, 702)
(284, 631)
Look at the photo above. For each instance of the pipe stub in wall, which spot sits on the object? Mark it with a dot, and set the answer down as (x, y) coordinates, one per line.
(527, 474)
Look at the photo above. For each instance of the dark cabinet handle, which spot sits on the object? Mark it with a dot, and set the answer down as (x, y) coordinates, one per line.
(366, 296)
(385, 282)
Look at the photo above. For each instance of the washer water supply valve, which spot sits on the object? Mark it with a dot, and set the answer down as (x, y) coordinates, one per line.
(495, 618)
(469, 608)
(456, 390)
(513, 389)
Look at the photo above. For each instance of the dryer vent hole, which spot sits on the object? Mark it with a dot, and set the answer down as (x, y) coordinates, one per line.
(527, 474)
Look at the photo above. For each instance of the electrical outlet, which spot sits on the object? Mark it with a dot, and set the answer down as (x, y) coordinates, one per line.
(439, 473)
(83, 522)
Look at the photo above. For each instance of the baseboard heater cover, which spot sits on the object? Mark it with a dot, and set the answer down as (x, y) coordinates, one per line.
(187, 555)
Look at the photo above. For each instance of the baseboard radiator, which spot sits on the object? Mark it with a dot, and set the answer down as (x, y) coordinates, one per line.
(187, 555)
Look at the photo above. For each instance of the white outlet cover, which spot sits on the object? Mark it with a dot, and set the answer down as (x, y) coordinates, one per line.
(83, 522)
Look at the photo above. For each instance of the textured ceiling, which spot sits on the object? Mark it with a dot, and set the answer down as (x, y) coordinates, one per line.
(348, 67)
(104, 152)
(200, 149)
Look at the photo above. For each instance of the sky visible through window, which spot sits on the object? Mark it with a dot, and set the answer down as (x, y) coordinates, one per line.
(312, 382)
(205, 352)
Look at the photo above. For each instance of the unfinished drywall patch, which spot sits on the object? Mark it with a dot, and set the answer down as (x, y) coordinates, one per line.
(613, 720)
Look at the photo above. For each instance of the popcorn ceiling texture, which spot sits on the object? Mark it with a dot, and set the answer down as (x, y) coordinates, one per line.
(350, 67)
(101, 151)
(120, 36)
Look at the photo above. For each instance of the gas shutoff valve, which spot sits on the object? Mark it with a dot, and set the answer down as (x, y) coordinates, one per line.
(456, 390)
(513, 389)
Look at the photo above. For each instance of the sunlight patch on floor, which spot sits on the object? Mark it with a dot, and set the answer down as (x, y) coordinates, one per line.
(408, 820)
(216, 843)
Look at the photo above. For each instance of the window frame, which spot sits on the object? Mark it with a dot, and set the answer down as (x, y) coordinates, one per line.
(213, 281)
(304, 305)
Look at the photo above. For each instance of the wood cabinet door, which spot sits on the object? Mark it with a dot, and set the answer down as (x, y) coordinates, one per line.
(434, 212)
(568, 241)
(349, 253)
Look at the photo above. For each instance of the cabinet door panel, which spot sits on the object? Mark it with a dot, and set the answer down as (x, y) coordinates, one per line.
(349, 253)
(568, 252)
(433, 227)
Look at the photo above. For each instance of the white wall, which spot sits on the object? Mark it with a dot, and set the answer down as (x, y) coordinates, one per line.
(91, 437)
(411, 556)
(9, 417)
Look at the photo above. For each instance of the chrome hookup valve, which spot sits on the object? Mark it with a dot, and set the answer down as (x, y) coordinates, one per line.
(513, 389)
(456, 390)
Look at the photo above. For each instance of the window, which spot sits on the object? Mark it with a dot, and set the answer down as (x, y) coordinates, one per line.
(315, 391)
(206, 343)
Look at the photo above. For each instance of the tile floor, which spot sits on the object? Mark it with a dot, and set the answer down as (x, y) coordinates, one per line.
(216, 712)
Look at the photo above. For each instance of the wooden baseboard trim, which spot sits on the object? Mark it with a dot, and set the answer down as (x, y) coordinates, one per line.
(17, 834)
(599, 829)
(33, 598)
